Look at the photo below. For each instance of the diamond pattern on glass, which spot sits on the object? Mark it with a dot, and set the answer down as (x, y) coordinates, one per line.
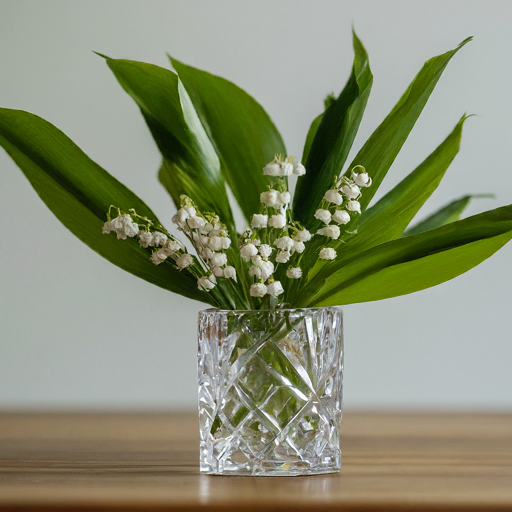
(270, 391)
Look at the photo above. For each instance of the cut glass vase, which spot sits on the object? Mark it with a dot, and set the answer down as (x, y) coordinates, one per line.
(270, 391)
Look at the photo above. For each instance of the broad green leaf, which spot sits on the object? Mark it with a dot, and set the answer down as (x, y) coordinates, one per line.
(449, 213)
(79, 192)
(334, 137)
(381, 149)
(240, 130)
(191, 165)
(396, 252)
(419, 274)
(390, 216)
(387, 219)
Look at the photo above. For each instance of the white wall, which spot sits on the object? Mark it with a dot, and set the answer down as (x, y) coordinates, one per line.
(78, 332)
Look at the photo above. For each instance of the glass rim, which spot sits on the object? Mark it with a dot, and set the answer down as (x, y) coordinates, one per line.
(215, 310)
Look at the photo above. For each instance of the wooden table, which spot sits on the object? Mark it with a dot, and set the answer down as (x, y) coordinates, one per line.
(149, 462)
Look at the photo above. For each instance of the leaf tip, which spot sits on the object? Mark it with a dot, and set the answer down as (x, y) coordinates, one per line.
(101, 55)
(466, 41)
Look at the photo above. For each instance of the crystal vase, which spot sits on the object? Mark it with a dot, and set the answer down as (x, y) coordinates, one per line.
(270, 391)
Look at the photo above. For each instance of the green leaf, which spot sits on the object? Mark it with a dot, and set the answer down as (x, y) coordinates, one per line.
(419, 274)
(381, 149)
(390, 216)
(310, 137)
(79, 193)
(190, 165)
(333, 138)
(405, 250)
(240, 130)
(449, 213)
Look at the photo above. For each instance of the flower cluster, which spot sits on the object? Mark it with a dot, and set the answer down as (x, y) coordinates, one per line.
(165, 245)
(269, 237)
(338, 204)
(273, 239)
(210, 239)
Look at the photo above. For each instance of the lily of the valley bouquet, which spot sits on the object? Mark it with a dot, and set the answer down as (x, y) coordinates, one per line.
(325, 246)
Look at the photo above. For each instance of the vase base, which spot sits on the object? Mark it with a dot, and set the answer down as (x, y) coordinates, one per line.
(277, 468)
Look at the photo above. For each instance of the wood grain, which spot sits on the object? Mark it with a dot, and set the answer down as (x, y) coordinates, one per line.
(149, 462)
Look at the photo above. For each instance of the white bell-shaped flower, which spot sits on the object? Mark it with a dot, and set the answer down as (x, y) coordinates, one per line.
(277, 221)
(362, 179)
(145, 239)
(225, 242)
(323, 215)
(302, 236)
(219, 259)
(298, 247)
(341, 217)
(259, 221)
(230, 273)
(255, 271)
(333, 196)
(248, 251)
(283, 257)
(265, 250)
(294, 273)
(353, 206)
(185, 260)
(286, 169)
(327, 253)
(206, 283)
(331, 231)
(284, 243)
(284, 198)
(272, 169)
(352, 191)
(159, 238)
(270, 198)
(258, 290)
(299, 169)
(218, 271)
(275, 288)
